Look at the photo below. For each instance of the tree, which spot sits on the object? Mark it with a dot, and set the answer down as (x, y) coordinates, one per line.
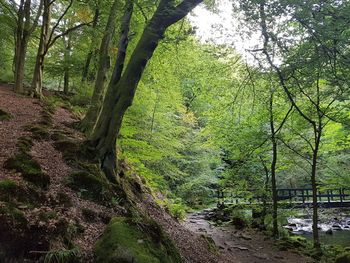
(121, 91)
(48, 37)
(87, 124)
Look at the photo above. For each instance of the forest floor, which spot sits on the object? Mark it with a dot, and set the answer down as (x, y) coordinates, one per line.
(234, 247)
(242, 246)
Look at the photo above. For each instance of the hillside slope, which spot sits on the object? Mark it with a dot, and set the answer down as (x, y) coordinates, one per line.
(56, 203)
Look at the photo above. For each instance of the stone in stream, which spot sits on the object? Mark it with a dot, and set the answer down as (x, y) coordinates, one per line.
(329, 232)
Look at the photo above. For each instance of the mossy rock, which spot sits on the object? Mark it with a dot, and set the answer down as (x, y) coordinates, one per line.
(90, 186)
(5, 116)
(125, 241)
(11, 191)
(343, 258)
(69, 148)
(29, 168)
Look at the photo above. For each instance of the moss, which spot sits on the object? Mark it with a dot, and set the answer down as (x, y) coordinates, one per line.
(64, 199)
(24, 144)
(90, 186)
(124, 241)
(13, 214)
(69, 148)
(29, 168)
(89, 215)
(4, 116)
(211, 244)
(39, 131)
(13, 192)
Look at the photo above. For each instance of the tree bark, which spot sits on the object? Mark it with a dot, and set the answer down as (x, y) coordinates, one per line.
(273, 168)
(120, 93)
(42, 49)
(87, 124)
(315, 234)
(22, 37)
(67, 54)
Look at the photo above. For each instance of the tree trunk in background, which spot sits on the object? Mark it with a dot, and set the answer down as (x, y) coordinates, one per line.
(67, 53)
(120, 94)
(315, 234)
(92, 114)
(273, 169)
(22, 37)
(36, 88)
(89, 56)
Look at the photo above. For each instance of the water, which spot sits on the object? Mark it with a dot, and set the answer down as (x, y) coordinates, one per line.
(336, 221)
(341, 238)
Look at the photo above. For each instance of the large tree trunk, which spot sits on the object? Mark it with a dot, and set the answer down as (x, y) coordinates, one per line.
(22, 37)
(92, 114)
(120, 93)
(36, 88)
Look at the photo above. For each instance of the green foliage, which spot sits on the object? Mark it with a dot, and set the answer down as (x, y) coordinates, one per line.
(62, 256)
(124, 241)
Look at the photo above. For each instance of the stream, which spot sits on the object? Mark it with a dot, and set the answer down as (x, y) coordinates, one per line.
(334, 226)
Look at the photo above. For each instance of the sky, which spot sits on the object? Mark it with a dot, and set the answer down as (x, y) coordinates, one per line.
(222, 28)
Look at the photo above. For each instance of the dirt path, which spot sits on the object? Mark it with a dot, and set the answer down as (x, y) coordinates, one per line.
(241, 246)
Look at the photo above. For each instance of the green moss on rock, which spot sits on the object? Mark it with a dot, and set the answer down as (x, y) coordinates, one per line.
(90, 186)
(4, 116)
(29, 168)
(125, 241)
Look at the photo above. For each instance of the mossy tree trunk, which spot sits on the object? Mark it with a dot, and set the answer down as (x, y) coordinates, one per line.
(120, 93)
(87, 124)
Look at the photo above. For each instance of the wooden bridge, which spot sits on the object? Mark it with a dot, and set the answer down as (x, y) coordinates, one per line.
(290, 198)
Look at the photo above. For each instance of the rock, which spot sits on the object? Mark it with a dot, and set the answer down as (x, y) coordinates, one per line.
(336, 227)
(261, 256)
(239, 247)
(244, 236)
(329, 232)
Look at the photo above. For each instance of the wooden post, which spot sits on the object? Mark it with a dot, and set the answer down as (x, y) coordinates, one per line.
(290, 195)
(332, 197)
(328, 198)
(341, 197)
(319, 196)
(302, 195)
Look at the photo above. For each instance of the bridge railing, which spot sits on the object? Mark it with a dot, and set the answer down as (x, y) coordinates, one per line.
(291, 195)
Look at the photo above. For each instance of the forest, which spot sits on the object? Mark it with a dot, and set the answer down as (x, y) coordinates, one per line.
(128, 131)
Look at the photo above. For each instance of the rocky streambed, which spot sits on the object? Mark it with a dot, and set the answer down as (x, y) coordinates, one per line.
(334, 226)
